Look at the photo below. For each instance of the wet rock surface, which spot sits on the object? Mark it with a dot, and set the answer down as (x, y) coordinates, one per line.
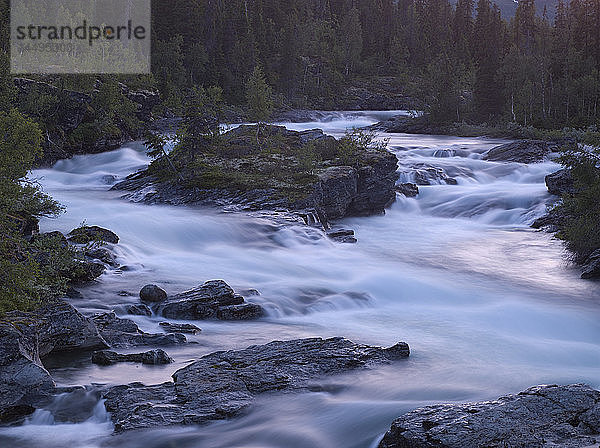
(407, 189)
(58, 328)
(342, 236)
(139, 310)
(223, 384)
(23, 379)
(522, 151)
(591, 268)
(561, 183)
(124, 333)
(152, 357)
(423, 174)
(213, 300)
(153, 294)
(540, 417)
(26, 338)
(180, 328)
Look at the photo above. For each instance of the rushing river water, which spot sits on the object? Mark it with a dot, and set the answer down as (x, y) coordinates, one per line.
(488, 305)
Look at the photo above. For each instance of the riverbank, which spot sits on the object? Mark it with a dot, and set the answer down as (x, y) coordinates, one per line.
(423, 125)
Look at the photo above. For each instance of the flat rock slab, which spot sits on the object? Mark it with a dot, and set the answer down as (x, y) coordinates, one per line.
(180, 328)
(223, 384)
(152, 357)
(124, 333)
(540, 417)
(522, 151)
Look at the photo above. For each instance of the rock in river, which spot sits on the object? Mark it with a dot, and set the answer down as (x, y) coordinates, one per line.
(540, 417)
(124, 333)
(90, 234)
(522, 151)
(222, 384)
(153, 294)
(152, 357)
(213, 300)
(180, 328)
(407, 189)
(561, 182)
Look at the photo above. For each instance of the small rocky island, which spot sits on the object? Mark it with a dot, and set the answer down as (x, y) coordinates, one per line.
(273, 168)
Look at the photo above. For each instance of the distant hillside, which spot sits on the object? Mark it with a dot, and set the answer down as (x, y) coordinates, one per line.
(509, 7)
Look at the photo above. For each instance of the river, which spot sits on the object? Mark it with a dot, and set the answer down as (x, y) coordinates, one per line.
(488, 305)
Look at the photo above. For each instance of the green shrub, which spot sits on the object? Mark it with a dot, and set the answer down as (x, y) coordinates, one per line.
(581, 226)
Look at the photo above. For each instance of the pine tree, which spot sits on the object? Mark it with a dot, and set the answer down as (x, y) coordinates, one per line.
(352, 43)
(259, 96)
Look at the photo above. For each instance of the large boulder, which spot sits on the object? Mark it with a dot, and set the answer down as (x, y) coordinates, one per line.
(91, 234)
(561, 183)
(543, 416)
(522, 151)
(25, 339)
(222, 384)
(213, 300)
(59, 328)
(23, 379)
(152, 294)
(124, 333)
(591, 268)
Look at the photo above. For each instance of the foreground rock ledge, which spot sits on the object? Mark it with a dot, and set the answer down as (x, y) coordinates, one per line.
(540, 417)
(222, 384)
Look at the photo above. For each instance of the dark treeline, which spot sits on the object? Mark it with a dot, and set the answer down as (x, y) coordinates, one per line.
(464, 61)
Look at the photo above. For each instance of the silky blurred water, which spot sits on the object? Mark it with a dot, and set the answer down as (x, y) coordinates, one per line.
(488, 305)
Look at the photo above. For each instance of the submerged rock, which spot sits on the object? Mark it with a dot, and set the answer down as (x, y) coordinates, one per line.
(152, 357)
(424, 174)
(543, 416)
(342, 236)
(222, 384)
(124, 333)
(153, 294)
(213, 300)
(591, 268)
(180, 328)
(139, 310)
(522, 151)
(103, 255)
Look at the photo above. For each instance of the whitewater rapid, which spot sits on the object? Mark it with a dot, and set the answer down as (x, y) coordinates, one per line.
(488, 305)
